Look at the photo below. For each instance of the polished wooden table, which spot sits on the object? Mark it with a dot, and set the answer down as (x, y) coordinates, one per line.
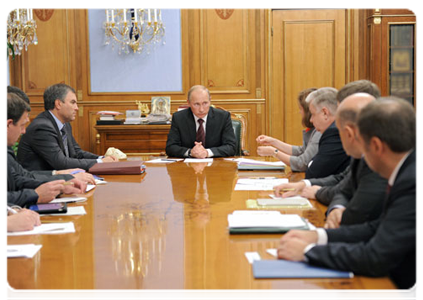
(165, 229)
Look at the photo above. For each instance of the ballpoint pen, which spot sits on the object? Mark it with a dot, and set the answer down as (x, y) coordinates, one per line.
(11, 210)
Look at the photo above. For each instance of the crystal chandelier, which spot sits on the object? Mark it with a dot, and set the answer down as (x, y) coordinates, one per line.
(21, 30)
(134, 28)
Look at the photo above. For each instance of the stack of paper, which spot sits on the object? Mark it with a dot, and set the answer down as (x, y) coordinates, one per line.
(27, 251)
(242, 221)
(252, 164)
(259, 183)
(287, 202)
(53, 228)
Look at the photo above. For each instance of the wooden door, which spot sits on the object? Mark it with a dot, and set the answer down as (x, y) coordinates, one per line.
(308, 50)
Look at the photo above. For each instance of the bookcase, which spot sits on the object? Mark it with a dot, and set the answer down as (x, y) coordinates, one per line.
(392, 52)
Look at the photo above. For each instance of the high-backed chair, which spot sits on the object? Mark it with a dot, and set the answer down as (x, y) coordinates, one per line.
(239, 125)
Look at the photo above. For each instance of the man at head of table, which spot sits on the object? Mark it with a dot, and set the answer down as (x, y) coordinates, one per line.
(201, 131)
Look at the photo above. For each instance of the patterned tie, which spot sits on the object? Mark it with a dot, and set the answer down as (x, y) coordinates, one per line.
(201, 137)
(65, 141)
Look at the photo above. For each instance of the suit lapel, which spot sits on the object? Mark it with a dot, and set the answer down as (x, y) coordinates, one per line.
(209, 125)
(59, 134)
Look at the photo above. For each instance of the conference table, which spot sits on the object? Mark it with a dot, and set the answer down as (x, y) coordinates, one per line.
(164, 229)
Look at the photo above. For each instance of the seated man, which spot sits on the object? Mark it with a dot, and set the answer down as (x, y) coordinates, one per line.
(26, 190)
(48, 143)
(201, 131)
(38, 174)
(325, 188)
(387, 245)
(331, 157)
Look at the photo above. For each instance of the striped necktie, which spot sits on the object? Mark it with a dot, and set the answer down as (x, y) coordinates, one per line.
(201, 136)
(65, 141)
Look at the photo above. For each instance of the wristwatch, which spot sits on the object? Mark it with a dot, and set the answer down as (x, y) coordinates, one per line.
(275, 153)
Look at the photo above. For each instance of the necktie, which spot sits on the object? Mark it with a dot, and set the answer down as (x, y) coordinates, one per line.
(65, 141)
(201, 137)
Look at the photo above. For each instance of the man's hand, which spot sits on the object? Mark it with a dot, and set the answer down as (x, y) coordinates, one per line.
(74, 186)
(109, 159)
(69, 171)
(49, 190)
(310, 191)
(292, 249)
(22, 221)
(334, 218)
(86, 177)
(266, 150)
(198, 151)
(289, 189)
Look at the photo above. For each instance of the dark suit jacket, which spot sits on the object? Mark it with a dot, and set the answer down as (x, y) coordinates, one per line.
(362, 195)
(331, 185)
(41, 147)
(331, 157)
(19, 190)
(386, 246)
(220, 137)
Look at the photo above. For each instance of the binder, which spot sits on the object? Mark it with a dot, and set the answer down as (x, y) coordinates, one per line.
(132, 167)
(292, 269)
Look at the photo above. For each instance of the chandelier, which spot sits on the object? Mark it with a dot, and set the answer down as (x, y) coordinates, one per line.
(134, 28)
(21, 31)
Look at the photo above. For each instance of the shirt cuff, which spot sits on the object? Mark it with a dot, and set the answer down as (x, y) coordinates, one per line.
(333, 207)
(307, 182)
(306, 249)
(186, 154)
(322, 236)
(210, 153)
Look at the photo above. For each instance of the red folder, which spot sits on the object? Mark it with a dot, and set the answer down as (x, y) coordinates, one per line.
(132, 167)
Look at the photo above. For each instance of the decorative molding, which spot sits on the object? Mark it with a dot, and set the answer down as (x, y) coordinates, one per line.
(32, 85)
(224, 14)
(240, 82)
(44, 14)
(210, 83)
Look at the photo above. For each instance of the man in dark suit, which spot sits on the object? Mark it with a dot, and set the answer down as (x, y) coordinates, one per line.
(325, 188)
(48, 143)
(331, 157)
(386, 246)
(24, 190)
(201, 131)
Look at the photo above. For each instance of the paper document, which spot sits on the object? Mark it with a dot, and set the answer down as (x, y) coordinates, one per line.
(99, 182)
(72, 211)
(164, 160)
(260, 184)
(52, 228)
(198, 160)
(242, 161)
(69, 199)
(290, 201)
(89, 187)
(258, 221)
(252, 256)
(28, 250)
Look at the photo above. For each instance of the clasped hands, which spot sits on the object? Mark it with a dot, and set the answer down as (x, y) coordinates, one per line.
(292, 244)
(266, 149)
(198, 151)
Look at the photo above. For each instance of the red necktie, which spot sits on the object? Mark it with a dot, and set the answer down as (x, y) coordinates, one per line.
(201, 137)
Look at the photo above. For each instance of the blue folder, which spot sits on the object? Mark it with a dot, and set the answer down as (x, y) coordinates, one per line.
(291, 269)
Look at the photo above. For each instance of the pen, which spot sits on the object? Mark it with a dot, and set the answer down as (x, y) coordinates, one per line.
(164, 159)
(263, 177)
(76, 172)
(68, 183)
(287, 190)
(11, 210)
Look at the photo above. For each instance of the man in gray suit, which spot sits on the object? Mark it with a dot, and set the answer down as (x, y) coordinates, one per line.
(201, 131)
(387, 245)
(48, 143)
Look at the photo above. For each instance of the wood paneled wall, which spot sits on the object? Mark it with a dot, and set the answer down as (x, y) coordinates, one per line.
(226, 50)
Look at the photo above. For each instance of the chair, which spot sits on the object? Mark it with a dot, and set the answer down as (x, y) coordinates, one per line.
(239, 124)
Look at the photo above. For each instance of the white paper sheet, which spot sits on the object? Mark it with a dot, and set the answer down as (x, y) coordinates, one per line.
(198, 160)
(164, 160)
(69, 199)
(72, 211)
(260, 184)
(245, 218)
(52, 228)
(26, 250)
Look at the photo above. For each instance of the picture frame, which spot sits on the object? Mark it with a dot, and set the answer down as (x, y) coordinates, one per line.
(160, 105)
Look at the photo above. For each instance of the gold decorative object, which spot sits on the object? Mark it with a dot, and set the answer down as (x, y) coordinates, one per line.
(21, 30)
(143, 108)
(134, 28)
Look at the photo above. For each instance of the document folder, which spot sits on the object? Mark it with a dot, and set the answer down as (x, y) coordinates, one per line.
(132, 167)
(293, 269)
